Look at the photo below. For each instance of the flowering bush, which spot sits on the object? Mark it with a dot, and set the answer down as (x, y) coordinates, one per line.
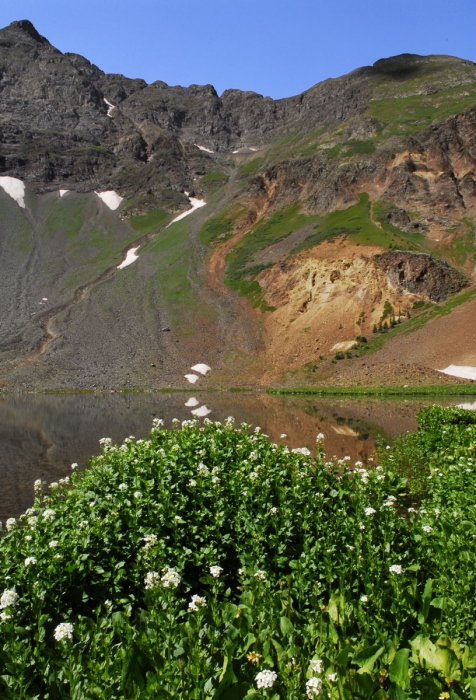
(207, 562)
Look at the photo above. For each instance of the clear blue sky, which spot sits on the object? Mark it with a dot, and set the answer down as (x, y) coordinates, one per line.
(277, 48)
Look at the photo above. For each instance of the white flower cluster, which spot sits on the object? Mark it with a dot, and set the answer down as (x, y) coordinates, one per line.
(29, 561)
(229, 422)
(10, 524)
(364, 475)
(202, 469)
(170, 579)
(48, 514)
(32, 520)
(8, 599)
(273, 510)
(301, 451)
(216, 571)
(390, 501)
(157, 423)
(152, 580)
(192, 483)
(63, 631)
(427, 528)
(395, 569)
(149, 540)
(260, 575)
(122, 487)
(38, 486)
(137, 494)
(197, 602)
(53, 543)
(313, 687)
(265, 679)
(316, 665)
(369, 511)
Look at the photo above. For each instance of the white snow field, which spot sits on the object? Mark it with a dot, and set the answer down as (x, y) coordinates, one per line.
(130, 258)
(202, 411)
(192, 402)
(15, 188)
(192, 378)
(110, 108)
(203, 369)
(204, 148)
(63, 192)
(462, 371)
(245, 149)
(111, 199)
(196, 204)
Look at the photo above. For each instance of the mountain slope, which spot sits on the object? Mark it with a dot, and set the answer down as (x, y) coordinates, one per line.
(327, 215)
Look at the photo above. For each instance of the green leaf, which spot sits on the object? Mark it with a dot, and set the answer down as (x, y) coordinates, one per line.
(426, 599)
(367, 657)
(286, 626)
(398, 669)
(472, 689)
(396, 693)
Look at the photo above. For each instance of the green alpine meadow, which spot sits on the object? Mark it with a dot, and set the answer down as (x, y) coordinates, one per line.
(207, 562)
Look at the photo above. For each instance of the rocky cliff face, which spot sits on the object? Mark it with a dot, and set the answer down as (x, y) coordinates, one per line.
(323, 206)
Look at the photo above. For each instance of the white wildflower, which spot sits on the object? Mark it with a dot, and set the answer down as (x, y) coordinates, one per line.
(5, 616)
(63, 631)
(32, 520)
(83, 523)
(273, 511)
(197, 602)
(37, 486)
(10, 524)
(395, 569)
(332, 677)
(427, 528)
(48, 514)
(215, 480)
(364, 599)
(313, 687)
(149, 540)
(53, 543)
(122, 487)
(152, 580)
(8, 599)
(29, 561)
(202, 469)
(265, 679)
(283, 435)
(369, 511)
(216, 571)
(105, 442)
(171, 578)
(301, 451)
(192, 483)
(260, 575)
(316, 665)
(137, 494)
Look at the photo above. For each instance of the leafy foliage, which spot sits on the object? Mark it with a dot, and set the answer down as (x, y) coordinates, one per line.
(191, 563)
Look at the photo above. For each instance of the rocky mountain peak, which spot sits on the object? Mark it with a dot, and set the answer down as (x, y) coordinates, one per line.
(26, 27)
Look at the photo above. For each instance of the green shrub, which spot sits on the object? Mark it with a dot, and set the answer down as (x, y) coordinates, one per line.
(204, 559)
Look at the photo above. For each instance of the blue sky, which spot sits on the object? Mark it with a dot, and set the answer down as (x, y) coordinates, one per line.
(277, 48)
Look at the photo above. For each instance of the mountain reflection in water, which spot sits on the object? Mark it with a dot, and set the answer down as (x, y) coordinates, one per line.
(41, 435)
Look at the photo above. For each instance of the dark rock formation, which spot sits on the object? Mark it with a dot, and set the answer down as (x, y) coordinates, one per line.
(419, 273)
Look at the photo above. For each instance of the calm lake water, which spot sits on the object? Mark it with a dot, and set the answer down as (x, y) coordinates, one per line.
(41, 435)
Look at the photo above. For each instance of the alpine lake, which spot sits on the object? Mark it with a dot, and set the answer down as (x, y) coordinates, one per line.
(41, 435)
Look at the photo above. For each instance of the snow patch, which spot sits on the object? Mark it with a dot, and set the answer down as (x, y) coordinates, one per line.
(462, 371)
(202, 411)
(63, 192)
(245, 149)
(111, 199)
(196, 204)
(204, 148)
(15, 188)
(130, 258)
(192, 378)
(203, 369)
(192, 402)
(467, 406)
(110, 108)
